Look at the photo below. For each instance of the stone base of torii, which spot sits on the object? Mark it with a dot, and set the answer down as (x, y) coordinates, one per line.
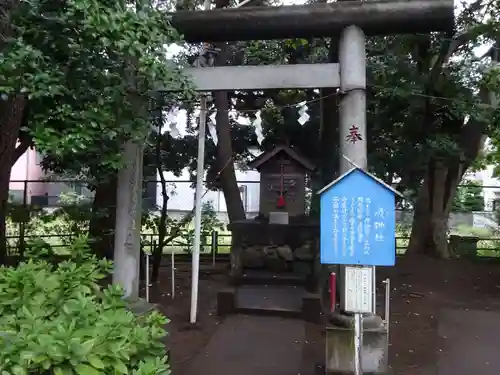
(351, 21)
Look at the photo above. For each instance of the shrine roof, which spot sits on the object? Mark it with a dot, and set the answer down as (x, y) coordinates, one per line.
(294, 155)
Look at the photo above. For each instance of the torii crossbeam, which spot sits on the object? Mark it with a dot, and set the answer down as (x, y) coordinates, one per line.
(380, 17)
(374, 17)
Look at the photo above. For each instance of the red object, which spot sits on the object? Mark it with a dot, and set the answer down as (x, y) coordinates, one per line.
(281, 202)
(353, 135)
(333, 291)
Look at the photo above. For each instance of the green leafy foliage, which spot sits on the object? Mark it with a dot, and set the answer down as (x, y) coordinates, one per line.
(209, 223)
(57, 319)
(469, 197)
(69, 221)
(54, 231)
(89, 68)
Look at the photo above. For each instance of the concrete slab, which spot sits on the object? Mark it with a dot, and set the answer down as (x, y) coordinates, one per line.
(471, 342)
(251, 345)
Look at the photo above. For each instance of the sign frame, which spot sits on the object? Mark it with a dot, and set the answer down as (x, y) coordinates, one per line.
(358, 289)
(358, 220)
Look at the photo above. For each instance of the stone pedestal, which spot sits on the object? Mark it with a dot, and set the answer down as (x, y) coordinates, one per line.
(464, 245)
(277, 248)
(340, 351)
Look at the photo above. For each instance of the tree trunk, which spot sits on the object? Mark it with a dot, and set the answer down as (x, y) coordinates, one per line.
(162, 224)
(11, 115)
(330, 136)
(429, 234)
(327, 142)
(225, 162)
(102, 223)
(435, 198)
(329, 169)
(4, 195)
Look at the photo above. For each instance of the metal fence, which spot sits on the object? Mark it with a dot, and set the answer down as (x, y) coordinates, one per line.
(217, 246)
(51, 193)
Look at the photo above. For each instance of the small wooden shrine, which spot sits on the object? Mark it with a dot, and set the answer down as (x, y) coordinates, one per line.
(283, 173)
(271, 241)
(275, 260)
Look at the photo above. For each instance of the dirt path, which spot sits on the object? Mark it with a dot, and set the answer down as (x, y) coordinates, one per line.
(429, 297)
(470, 342)
(250, 345)
(424, 292)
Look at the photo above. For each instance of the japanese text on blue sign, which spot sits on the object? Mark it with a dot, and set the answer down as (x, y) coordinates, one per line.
(359, 227)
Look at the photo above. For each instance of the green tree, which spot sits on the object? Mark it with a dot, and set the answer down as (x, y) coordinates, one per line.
(86, 70)
(469, 198)
(209, 224)
(429, 110)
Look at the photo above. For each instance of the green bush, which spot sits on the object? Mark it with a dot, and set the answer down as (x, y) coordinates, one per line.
(209, 223)
(56, 319)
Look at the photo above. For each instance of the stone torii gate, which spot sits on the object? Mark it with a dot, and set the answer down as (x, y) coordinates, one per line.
(351, 21)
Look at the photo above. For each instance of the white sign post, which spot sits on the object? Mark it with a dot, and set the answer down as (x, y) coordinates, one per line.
(359, 300)
(358, 344)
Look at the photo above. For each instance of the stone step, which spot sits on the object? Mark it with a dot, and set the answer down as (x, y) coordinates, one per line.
(255, 277)
(283, 301)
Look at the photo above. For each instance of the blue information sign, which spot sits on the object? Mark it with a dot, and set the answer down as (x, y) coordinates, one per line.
(358, 221)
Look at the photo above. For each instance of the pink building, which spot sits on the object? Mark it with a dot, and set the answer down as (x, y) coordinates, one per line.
(27, 174)
(25, 170)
